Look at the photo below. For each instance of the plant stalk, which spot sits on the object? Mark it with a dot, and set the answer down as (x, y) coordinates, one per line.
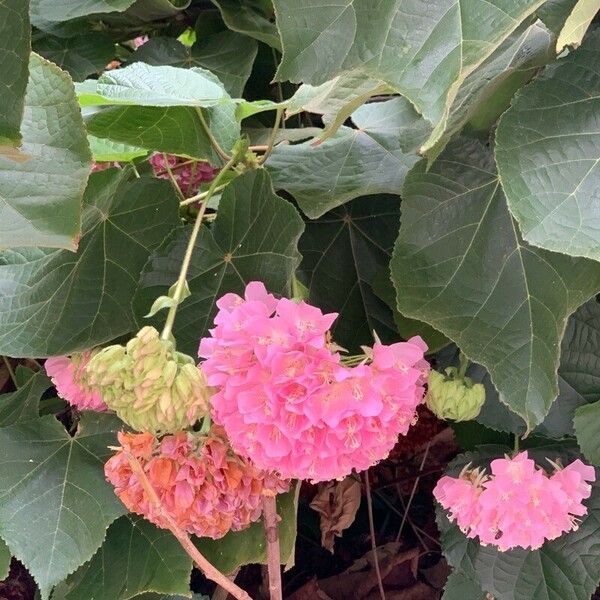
(210, 571)
(273, 137)
(180, 285)
(222, 154)
(271, 521)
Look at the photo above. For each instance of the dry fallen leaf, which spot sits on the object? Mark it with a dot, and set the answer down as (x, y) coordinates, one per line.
(337, 504)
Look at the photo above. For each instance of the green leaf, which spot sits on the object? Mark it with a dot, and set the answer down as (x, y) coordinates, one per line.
(252, 18)
(407, 328)
(23, 404)
(64, 10)
(227, 54)
(56, 302)
(15, 45)
(460, 587)
(336, 100)
(80, 55)
(253, 238)
(343, 252)
(150, 10)
(423, 49)
(40, 199)
(460, 265)
(140, 84)
(175, 130)
(548, 155)
(55, 504)
(249, 546)
(580, 357)
(5, 558)
(136, 557)
(587, 430)
(568, 567)
(554, 13)
(104, 150)
(354, 162)
(577, 24)
(487, 92)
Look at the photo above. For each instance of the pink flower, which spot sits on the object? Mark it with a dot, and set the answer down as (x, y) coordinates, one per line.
(519, 504)
(201, 484)
(188, 176)
(287, 402)
(139, 41)
(67, 376)
(102, 166)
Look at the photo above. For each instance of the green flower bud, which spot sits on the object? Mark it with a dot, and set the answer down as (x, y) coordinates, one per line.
(452, 396)
(149, 385)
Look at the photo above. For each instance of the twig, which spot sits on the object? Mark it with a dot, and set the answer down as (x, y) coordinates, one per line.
(372, 534)
(180, 284)
(172, 177)
(271, 521)
(10, 371)
(183, 538)
(221, 593)
(273, 136)
(217, 148)
(201, 195)
(412, 493)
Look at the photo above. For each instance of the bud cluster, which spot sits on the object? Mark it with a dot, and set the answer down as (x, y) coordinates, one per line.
(148, 384)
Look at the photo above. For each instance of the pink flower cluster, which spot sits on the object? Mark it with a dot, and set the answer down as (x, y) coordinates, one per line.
(188, 177)
(67, 376)
(287, 401)
(518, 505)
(201, 484)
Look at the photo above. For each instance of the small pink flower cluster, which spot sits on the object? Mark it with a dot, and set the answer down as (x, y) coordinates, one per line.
(201, 484)
(188, 177)
(67, 376)
(287, 401)
(518, 505)
(102, 166)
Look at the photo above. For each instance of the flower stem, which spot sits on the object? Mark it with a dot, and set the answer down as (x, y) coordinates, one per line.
(517, 441)
(180, 285)
(222, 154)
(171, 176)
(463, 364)
(271, 520)
(273, 137)
(200, 196)
(209, 570)
(372, 535)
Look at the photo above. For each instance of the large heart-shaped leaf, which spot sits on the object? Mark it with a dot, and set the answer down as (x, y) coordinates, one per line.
(460, 265)
(554, 13)
(175, 130)
(568, 567)
(343, 252)
(460, 587)
(55, 504)
(227, 54)
(24, 403)
(80, 55)
(136, 557)
(486, 93)
(40, 198)
(253, 238)
(64, 10)
(55, 302)
(251, 18)
(355, 162)
(548, 153)
(423, 49)
(15, 45)
(140, 84)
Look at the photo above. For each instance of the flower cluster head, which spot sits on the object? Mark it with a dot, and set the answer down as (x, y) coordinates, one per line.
(287, 401)
(201, 484)
(148, 384)
(188, 176)
(518, 505)
(68, 376)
